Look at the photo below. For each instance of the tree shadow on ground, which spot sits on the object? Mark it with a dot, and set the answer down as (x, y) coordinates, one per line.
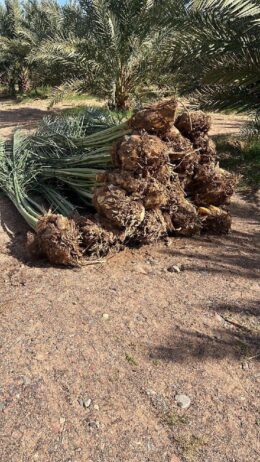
(28, 118)
(16, 229)
(230, 340)
(235, 254)
(25, 117)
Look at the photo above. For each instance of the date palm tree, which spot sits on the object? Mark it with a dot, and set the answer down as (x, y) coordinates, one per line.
(215, 51)
(113, 55)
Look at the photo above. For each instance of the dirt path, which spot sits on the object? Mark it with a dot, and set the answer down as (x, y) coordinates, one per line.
(92, 359)
(27, 115)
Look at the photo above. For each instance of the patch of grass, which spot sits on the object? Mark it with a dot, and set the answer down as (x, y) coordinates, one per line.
(79, 97)
(190, 445)
(241, 157)
(173, 419)
(35, 93)
(131, 360)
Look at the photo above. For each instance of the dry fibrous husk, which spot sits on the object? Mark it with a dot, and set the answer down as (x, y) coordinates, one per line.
(57, 238)
(148, 189)
(123, 179)
(151, 229)
(179, 213)
(156, 118)
(193, 124)
(206, 149)
(182, 154)
(155, 195)
(212, 185)
(142, 152)
(164, 174)
(121, 210)
(96, 239)
(215, 220)
(187, 164)
(184, 219)
(177, 143)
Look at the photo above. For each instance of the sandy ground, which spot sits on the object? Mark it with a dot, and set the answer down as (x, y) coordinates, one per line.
(27, 115)
(92, 359)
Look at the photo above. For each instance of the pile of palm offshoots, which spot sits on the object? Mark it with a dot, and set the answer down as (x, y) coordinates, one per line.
(96, 184)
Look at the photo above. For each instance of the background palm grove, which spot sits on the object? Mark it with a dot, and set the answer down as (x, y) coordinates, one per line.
(124, 49)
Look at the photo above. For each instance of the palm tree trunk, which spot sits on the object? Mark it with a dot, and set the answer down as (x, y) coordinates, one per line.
(23, 81)
(11, 87)
(122, 102)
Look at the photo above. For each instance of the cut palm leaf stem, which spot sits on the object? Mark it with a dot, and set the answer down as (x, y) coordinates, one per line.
(112, 132)
(101, 155)
(85, 196)
(84, 193)
(59, 144)
(81, 173)
(23, 205)
(57, 201)
(77, 183)
(37, 206)
(30, 217)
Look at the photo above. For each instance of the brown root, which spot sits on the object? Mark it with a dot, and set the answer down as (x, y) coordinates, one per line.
(151, 229)
(96, 239)
(142, 152)
(121, 210)
(156, 118)
(212, 185)
(193, 124)
(215, 220)
(58, 239)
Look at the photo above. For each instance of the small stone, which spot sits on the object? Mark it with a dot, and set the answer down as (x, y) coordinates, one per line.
(105, 316)
(84, 402)
(183, 401)
(96, 407)
(87, 403)
(174, 269)
(62, 420)
(150, 392)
